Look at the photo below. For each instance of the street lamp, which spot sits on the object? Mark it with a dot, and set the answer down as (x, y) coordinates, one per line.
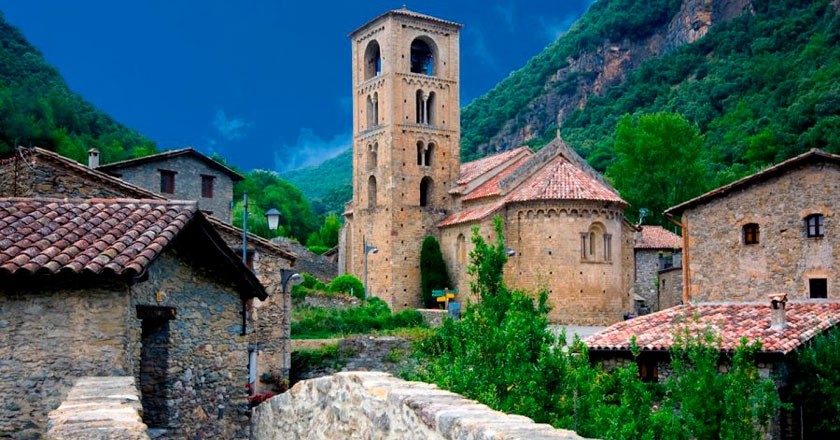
(273, 218)
(289, 276)
(369, 248)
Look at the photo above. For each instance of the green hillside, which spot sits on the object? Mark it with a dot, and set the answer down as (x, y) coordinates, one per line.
(759, 88)
(37, 108)
(328, 185)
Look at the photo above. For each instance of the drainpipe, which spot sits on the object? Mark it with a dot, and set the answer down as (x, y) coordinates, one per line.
(686, 268)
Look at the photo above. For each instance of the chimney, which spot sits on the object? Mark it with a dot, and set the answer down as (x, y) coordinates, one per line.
(778, 320)
(93, 158)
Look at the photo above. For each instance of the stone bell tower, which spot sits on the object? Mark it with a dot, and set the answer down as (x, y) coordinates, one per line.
(406, 133)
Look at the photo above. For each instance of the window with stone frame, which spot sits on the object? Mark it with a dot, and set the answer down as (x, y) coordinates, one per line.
(751, 233)
(815, 226)
(607, 247)
(167, 181)
(207, 186)
(818, 288)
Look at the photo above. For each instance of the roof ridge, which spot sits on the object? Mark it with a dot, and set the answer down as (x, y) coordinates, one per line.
(118, 200)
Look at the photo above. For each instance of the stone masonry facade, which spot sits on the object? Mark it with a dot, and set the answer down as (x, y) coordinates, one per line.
(189, 173)
(56, 334)
(377, 405)
(562, 219)
(723, 268)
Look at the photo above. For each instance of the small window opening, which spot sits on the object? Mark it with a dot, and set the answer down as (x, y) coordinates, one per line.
(425, 191)
(462, 249)
(421, 148)
(427, 155)
(420, 102)
(167, 181)
(814, 225)
(207, 186)
(372, 156)
(607, 247)
(818, 288)
(430, 109)
(422, 58)
(372, 192)
(751, 233)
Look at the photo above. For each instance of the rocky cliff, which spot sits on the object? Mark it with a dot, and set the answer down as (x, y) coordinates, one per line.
(591, 71)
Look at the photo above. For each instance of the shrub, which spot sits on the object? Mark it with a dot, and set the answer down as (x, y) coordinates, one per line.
(373, 315)
(348, 284)
(318, 249)
(309, 284)
(433, 273)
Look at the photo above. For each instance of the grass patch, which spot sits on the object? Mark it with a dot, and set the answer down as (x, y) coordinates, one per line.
(373, 316)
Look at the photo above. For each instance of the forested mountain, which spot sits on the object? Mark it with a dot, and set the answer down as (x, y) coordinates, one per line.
(37, 108)
(756, 79)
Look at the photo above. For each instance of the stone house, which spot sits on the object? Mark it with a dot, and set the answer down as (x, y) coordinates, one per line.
(562, 219)
(656, 249)
(36, 172)
(773, 231)
(123, 287)
(183, 174)
(782, 327)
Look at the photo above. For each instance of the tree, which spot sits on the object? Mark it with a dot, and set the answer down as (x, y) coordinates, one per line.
(265, 191)
(658, 162)
(433, 273)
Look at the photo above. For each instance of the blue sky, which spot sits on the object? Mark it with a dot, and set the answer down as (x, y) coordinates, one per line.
(264, 83)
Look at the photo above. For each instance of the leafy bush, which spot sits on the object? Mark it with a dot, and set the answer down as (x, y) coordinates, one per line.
(502, 354)
(348, 284)
(433, 273)
(373, 315)
(318, 249)
(309, 284)
(817, 385)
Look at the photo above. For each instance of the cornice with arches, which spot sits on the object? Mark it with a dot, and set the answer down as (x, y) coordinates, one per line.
(426, 130)
(530, 211)
(373, 84)
(417, 79)
(369, 34)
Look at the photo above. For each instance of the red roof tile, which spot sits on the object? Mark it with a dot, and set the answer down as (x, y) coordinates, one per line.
(562, 180)
(491, 187)
(117, 236)
(730, 321)
(473, 170)
(470, 215)
(657, 237)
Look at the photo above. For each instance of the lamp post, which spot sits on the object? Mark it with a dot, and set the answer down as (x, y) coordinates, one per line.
(369, 248)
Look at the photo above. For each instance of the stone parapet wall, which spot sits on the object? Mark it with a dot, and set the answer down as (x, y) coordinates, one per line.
(378, 405)
(99, 408)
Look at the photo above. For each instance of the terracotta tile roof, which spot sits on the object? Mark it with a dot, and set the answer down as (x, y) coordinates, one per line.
(97, 236)
(812, 156)
(562, 180)
(731, 321)
(470, 215)
(491, 187)
(474, 169)
(657, 237)
(115, 166)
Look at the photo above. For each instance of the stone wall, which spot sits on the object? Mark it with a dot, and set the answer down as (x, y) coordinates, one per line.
(670, 287)
(207, 369)
(377, 405)
(390, 354)
(646, 275)
(187, 182)
(307, 261)
(50, 336)
(723, 268)
(547, 240)
(99, 408)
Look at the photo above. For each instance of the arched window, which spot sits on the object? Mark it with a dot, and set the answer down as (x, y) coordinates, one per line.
(461, 249)
(421, 148)
(430, 109)
(371, 192)
(596, 245)
(419, 101)
(751, 233)
(372, 156)
(422, 57)
(373, 60)
(425, 191)
(427, 155)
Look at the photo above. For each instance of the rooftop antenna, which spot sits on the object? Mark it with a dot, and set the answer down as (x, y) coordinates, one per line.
(643, 212)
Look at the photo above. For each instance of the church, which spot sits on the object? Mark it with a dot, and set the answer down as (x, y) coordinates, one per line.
(563, 222)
